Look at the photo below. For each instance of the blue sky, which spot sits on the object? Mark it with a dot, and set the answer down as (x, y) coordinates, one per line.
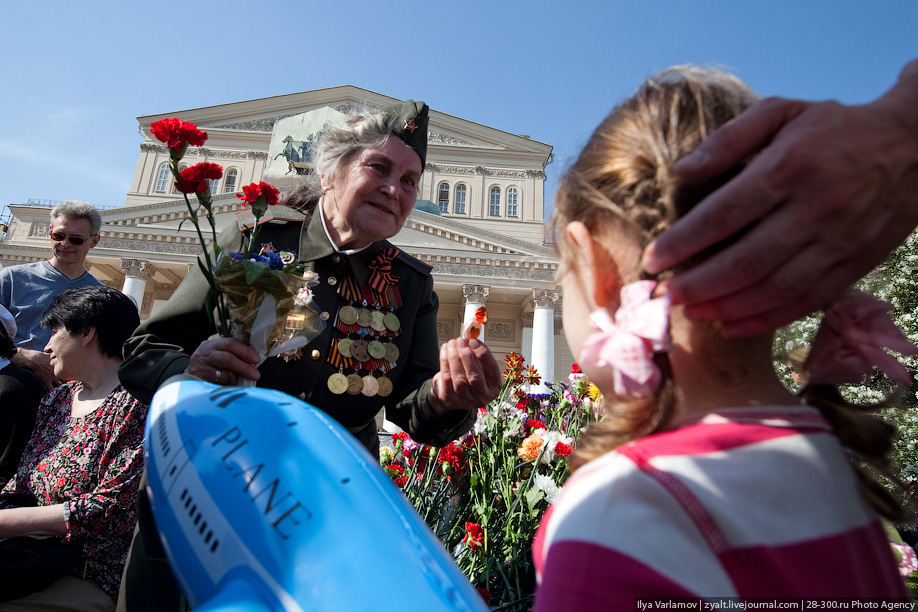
(76, 75)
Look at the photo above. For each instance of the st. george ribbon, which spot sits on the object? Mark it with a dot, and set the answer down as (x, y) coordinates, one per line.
(265, 503)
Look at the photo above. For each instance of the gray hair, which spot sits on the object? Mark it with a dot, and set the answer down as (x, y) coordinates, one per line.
(339, 141)
(75, 209)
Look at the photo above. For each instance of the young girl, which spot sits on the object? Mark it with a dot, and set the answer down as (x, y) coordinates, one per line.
(707, 477)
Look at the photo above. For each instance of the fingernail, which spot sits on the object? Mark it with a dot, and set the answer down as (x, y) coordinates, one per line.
(649, 258)
(692, 161)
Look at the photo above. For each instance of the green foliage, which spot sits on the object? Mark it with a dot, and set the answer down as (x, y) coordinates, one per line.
(895, 281)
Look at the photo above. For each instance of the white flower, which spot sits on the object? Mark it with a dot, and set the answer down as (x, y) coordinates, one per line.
(551, 439)
(548, 486)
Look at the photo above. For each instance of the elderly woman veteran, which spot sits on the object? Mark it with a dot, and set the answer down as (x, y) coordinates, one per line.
(368, 168)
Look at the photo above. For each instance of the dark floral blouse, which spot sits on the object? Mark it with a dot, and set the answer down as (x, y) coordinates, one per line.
(94, 463)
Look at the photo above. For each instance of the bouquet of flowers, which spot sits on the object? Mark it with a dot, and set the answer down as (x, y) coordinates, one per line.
(261, 298)
(484, 495)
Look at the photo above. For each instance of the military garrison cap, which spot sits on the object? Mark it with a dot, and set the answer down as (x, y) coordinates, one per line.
(408, 120)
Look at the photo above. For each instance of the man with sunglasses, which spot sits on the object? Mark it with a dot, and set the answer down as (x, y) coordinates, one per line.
(27, 289)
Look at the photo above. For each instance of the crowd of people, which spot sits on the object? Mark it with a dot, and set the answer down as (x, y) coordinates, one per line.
(696, 214)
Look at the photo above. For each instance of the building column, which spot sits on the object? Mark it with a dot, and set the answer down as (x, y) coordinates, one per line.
(543, 336)
(136, 274)
(526, 346)
(474, 297)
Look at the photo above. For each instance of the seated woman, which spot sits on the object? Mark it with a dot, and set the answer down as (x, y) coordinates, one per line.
(707, 478)
(20, 392)
(84, 460)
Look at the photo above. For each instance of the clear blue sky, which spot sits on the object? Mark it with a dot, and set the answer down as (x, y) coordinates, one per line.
(76, 75)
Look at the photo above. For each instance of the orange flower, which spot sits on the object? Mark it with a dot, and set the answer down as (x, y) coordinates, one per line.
(532, 376)
(529, 449)
(473, 329)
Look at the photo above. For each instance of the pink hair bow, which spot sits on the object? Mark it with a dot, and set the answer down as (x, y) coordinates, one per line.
(850, 342)
(641, 328)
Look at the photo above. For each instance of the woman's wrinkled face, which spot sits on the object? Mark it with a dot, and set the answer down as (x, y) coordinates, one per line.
(67, 352)
(370, 196)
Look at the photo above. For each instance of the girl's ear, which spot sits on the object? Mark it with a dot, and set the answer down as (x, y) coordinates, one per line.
(598, 270)
(88, 335)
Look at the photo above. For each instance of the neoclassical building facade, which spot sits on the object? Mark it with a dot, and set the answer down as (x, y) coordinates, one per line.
(480, 218)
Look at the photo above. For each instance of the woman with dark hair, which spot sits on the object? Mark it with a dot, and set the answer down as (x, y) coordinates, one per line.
(84, 460)
(20, 393)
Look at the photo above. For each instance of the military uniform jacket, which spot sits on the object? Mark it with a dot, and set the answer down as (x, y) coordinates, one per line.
(161, 347)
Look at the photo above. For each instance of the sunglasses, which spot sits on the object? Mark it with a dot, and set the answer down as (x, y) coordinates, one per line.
(74, 240)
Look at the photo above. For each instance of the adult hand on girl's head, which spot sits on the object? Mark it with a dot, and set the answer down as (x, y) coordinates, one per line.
(832, 191)
(224, 361)
(469, 377)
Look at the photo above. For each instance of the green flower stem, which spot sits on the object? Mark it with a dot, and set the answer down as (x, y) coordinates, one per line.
(214, 297)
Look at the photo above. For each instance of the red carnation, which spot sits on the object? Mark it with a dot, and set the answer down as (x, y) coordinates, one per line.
(532, 424)
(563, 449)
(474, 536)
(575, 369)
(253, 191)
(196, 179)
(401, 481)
(485, 594)
(454, 456)
(178, 134)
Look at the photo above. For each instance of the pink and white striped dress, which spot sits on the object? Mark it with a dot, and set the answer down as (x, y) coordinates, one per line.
(750, 502)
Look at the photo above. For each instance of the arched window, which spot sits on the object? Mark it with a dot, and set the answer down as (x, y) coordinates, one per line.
(215, 186)
(229, 185)
(494, 202)
(443, 197)
(461, 191)
(162, 178)
(513, 198)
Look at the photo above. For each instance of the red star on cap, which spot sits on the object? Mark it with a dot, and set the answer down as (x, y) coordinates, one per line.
(411, 126)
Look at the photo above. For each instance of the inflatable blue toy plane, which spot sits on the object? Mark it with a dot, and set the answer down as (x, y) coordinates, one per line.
(265, 503)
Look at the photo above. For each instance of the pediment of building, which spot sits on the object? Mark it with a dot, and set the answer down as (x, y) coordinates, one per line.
(260, 115)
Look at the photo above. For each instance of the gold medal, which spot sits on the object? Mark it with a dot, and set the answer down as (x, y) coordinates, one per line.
(385, 386)
(354, 383)
(364, 317)
(337, 383)
(376, 349)
(377, 321)
(391, 352)
(359, 350)
(370, 386)
(344, 347)
(347, 315)
(391, 322)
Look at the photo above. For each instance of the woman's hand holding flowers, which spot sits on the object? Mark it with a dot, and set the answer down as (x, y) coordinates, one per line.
(224, 361)
(469, 377)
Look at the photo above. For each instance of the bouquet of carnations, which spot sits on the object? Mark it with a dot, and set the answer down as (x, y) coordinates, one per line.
(261, 298)
(484, 495)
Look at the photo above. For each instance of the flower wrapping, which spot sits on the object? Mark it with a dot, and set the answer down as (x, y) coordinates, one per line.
(272, 310)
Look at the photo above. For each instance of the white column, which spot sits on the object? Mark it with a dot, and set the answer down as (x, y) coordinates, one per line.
(526, 347)
(136, 274)
(474, 297)
(543, 336)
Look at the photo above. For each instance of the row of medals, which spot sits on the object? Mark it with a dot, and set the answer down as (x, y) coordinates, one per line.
(363, 350)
